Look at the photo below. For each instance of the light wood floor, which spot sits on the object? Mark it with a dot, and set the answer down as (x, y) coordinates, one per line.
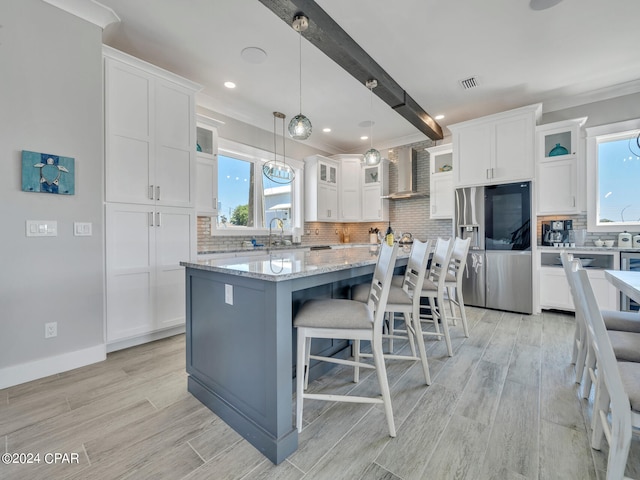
(505, 406)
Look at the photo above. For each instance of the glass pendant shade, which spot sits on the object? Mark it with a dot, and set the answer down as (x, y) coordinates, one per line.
(372, 157)
(278, 172)
(300, 127)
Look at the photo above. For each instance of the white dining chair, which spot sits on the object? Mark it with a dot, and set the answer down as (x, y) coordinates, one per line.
(433, 289)
(616, 410)
(347, 319)
(625, 343)
(404, 299)
(453, 281)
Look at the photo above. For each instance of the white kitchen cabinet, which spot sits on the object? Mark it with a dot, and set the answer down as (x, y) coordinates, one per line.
(560, 167)
(554, 287)
(321, 189)
(207, 166)
(145, 282)
(495, 149)
(375, 185)
(441, 190)
(350, 187)
(150, 141)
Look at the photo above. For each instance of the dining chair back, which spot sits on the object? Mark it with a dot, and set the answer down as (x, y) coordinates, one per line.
(453, 281)
(612, 410)
(433, 289)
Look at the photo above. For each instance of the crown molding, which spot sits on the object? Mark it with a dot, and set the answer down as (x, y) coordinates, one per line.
(88, 10)
(628, 88)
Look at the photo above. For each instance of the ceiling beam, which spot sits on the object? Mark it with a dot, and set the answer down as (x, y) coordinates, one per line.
(333, 41)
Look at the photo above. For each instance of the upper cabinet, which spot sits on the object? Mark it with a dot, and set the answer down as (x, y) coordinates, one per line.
(375, 185)
(495, 149)
(149, 133)
(320, 189)
(560, 167)
(441, 190)
(207, 165)
(342, 189)
(350, 189)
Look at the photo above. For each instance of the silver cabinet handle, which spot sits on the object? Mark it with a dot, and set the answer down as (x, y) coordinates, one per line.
(574, 201)
(488, 174)
(492, 174)
(151, 219)
(158, 192)
(158, 219)
(150, 192)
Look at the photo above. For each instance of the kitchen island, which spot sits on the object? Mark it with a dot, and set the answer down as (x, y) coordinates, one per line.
(240, 338)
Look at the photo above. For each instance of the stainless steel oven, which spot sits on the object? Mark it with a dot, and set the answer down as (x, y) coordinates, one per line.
(629, 261)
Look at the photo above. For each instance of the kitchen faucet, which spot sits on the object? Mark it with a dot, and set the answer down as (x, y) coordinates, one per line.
(281, 225)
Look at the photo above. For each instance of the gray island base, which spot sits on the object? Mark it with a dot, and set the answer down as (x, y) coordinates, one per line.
(240, 339)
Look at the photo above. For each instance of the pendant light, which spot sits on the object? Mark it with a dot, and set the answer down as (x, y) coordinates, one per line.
(371, 156)
(278, 172)
(300, 126)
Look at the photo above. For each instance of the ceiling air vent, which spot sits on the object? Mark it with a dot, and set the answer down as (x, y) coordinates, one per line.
(467, 83)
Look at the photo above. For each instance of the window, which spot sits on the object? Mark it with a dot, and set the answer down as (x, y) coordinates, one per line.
(613, 176)
(247, 200)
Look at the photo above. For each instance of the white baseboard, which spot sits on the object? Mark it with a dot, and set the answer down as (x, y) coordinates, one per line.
(146, 338)
(43, 367)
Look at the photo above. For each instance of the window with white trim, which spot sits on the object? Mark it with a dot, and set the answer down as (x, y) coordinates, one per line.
(613, 177)
(247, 200)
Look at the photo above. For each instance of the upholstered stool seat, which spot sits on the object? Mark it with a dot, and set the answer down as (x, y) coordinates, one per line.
(334, 313)
(621, 321)
(626, 345)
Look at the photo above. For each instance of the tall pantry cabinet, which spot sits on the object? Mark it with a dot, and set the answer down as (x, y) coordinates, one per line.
(150, 161)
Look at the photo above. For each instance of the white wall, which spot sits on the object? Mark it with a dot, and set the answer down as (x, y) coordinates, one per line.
(50, 102)
(612, 110)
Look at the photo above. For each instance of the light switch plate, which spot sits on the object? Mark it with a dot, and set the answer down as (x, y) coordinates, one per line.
(42, 228)
(82, 229)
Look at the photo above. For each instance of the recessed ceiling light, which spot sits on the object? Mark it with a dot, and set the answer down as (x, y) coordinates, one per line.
(364, 137)
(326, 130)
(253, 55)
(229, 84)
(439, 117)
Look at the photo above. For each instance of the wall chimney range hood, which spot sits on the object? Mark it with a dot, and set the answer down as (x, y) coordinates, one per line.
(407, 165)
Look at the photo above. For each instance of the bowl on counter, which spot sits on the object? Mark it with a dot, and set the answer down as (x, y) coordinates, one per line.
(598, 243)
(609, 243)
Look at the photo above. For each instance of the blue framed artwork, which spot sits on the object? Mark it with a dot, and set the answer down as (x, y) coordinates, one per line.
(46, 173)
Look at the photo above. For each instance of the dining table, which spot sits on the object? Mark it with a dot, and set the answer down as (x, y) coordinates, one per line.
(627, 281)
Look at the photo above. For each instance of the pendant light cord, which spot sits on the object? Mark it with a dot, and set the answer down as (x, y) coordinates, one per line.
(300, 64)
(371, 119)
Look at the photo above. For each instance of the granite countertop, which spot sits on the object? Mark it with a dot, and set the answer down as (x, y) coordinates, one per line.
(293, 246)
(290, 264)
(589, 248)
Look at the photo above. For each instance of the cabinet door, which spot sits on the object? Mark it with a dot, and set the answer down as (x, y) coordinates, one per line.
(554, 289)
(130, 259)
(350, 190)
(606, 294)
(472, 154)
(327, 202)
(175, 145)
(557, 187)
(206, 186)
(128, 134)
(174, 230)
(514, 148)
(372, 206)
(442, 195)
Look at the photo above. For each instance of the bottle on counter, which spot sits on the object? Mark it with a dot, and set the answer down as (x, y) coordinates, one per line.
(389, 236)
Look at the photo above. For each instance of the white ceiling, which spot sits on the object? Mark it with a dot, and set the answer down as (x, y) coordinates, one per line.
(519, 56)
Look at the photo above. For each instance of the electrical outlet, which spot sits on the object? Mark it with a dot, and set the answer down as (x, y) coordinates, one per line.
(51, 330)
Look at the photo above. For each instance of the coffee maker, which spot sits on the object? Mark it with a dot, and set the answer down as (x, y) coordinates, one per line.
(557, 232)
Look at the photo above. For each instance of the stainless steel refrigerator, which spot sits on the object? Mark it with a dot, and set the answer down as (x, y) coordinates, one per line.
(499, 268)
